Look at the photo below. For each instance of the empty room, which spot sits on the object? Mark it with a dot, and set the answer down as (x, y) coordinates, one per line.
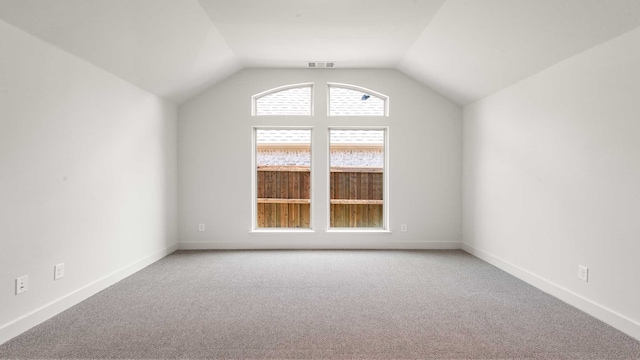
(408, 179)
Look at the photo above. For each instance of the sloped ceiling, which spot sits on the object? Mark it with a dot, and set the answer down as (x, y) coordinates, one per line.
(465, 49)
(353, 33)
(167, 47)
(473, 48)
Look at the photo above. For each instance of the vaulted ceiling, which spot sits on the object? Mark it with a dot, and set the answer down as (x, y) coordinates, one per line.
(464, 49)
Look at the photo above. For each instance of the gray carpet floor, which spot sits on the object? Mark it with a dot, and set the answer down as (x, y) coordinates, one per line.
(322, 304)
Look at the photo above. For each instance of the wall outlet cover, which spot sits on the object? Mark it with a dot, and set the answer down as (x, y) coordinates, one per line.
(58, 271)
(583, 273)
(22, 284)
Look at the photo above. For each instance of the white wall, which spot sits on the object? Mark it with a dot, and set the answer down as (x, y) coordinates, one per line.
(87, 178)
(214, 157)
(552, 180)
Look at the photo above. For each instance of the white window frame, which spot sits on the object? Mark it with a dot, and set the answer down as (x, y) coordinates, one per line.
(254, 98)
(254, 182)
(356, 88)
(385, 180)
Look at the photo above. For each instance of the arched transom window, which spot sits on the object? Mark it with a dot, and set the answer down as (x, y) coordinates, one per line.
(351, 100)
(293, 99)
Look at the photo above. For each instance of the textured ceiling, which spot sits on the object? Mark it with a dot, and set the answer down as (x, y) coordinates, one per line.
(465, 49)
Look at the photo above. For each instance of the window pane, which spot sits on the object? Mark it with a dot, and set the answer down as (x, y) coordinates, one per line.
(356, 180)
(295, 101)
(349, 102)
(283, 178)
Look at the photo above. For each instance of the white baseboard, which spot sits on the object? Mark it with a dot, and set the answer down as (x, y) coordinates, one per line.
(600, 312)
(45, 312)
(319, 245)
(25, 322)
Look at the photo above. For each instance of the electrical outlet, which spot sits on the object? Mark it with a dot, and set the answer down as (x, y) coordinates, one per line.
(58, 271)
(403, 227)
(22, 284)
(200, 227)
(583, 273)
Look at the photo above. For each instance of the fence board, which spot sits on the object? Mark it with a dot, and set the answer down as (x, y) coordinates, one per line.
(353, 185)
(283, 183)
(284, 215)
(260, 184)
(294, 185)
(305, 216)
(356, 202)
(261, 212)
(294, 210)
(305, 186)
(286, 201)
(270, 214)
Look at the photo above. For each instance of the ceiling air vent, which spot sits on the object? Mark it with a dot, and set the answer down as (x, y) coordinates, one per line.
(321, 64)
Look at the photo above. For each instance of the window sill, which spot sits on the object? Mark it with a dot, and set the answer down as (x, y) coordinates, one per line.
(280, 231)
(358, 231)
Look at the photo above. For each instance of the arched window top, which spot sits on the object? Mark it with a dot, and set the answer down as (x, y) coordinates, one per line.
(295, 99)
(351, 100)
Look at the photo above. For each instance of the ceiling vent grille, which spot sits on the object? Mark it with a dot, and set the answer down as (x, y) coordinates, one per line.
(321, 64)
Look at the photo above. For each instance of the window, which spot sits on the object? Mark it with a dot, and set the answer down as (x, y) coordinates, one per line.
(357, 180)
(285, 100)
(282, 183)
(350, 100)
(357, 176)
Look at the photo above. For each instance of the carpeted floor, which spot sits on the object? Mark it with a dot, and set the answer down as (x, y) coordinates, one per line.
(322, 304)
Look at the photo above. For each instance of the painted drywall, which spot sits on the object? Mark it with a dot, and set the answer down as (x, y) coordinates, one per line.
(87, 177)
(552, 179)
(214, 162)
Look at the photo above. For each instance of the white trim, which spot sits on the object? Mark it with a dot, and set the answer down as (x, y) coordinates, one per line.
(25, 322)
(385, 178)
(257, 96)
(359, 231)
(254, 179)
(601, 312)
(282, 231)
(321, 244)
(356, 88)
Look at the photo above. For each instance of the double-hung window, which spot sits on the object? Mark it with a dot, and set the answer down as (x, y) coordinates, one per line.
(358, 160)
(283, 178)
(357, 181)
(282, 160)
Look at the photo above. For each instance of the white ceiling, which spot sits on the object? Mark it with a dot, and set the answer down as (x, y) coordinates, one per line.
(289, 33)
(168, 47)
(473, 48)
(465, 49)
